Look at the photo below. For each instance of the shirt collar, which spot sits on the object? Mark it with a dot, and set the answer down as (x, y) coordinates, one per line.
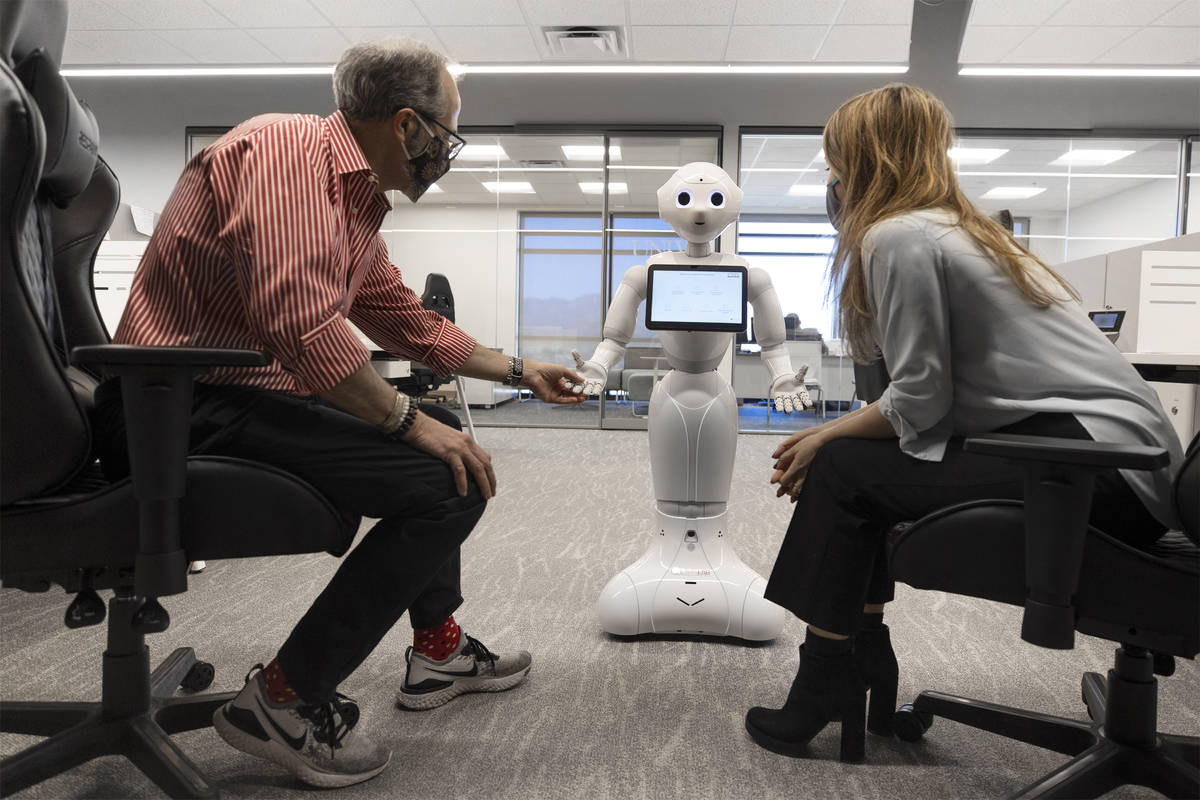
(347, 155)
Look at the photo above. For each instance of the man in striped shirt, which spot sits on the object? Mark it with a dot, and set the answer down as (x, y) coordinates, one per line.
(271, 241)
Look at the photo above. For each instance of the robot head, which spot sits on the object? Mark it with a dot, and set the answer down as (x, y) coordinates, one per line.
(699, 201)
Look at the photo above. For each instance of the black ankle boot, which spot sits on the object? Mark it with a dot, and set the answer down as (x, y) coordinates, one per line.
(826, 686)
(879, 672)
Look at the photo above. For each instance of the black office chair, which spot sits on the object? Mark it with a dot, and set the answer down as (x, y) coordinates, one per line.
(421, 380)
(1043, 555)
(63, 523)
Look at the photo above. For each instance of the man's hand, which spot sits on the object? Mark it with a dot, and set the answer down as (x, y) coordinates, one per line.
(591, 379)
(551, 383)
(457, 449)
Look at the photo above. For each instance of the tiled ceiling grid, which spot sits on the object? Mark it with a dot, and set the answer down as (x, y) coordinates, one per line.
(224, 32)
(1077, 32)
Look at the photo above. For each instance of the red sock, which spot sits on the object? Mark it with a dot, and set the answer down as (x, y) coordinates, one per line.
(278, 689)
(437, 642)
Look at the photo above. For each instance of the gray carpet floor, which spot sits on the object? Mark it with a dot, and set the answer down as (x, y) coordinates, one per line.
(598, 717)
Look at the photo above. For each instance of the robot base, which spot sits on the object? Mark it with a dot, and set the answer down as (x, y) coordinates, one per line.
(689, 581)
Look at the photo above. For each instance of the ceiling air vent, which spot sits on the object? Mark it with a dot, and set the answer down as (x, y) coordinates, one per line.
(541, 163)
(585, 42)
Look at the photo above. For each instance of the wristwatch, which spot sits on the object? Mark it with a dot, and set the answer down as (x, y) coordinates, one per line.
(516, 371)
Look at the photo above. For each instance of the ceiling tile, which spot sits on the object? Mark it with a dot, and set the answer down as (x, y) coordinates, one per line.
(369, 13)
(574, 12)
(673, 12)
(776, 43)
(130, 47)
(1074, 45)
(787, 12)
(303, 45)
(271, 13)
(91, 15)
(77, 51)
(987, 45)
(679, 43)
(1156, 46)
(220, 46)
(866, 43)
(423, 35)
(1110, 12)
(154, 14)
(876, 12)
(483, 44)
(471, 12)
(1185, 15)
(1012, 12)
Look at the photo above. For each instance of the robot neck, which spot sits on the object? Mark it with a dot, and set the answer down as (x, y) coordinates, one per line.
(699, 250)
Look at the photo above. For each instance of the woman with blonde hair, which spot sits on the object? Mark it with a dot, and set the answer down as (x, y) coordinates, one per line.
(978, 335)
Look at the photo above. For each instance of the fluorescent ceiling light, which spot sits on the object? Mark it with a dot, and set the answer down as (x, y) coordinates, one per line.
(508, 187)
(683, 69)
(508, 69)
(807, 190)
(189, 72)
(1013, 192)
(597, 187)
(1091, 158)
(1082, 72)
(591, 152)
(434, 189)
(483, 152)
(975, 155)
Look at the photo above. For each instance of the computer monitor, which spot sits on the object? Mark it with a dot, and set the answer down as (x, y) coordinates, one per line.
(1107, 321)
(681, 297)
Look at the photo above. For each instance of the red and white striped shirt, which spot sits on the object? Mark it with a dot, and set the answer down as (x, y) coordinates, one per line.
(271, 241)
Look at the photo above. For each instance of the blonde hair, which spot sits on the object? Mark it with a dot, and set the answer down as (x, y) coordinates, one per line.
(889, 150)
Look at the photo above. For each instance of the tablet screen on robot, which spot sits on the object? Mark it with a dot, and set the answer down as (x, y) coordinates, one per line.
(696, 298)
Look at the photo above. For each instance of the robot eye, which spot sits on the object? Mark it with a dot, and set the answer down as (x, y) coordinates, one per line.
(717, 199)
(683, 199)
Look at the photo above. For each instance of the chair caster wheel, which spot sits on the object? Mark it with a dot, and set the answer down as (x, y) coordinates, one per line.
(199, 677)
(909, 724)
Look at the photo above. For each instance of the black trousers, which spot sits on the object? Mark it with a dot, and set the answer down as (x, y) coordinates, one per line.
(409, 561)
(833, 560)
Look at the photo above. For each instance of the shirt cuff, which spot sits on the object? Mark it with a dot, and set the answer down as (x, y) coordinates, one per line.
(331, 354)
(451, 348)
(927, 445)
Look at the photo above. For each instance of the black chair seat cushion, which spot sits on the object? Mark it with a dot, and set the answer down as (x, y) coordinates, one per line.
(1149, 597)
(232, 509)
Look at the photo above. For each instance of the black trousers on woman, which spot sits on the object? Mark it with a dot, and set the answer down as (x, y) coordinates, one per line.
(409, 561)
(833, 558)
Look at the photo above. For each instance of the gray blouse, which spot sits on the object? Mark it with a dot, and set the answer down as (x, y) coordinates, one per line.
(968, 353)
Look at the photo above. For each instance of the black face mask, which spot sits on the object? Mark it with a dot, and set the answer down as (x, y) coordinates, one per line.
(833, 204)
(428, 167)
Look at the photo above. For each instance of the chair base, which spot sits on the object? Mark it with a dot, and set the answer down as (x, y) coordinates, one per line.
(1118, 747)
(80, 732)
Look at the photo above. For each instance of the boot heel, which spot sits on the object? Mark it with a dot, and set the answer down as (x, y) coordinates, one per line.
(853, 744)
(882, 708)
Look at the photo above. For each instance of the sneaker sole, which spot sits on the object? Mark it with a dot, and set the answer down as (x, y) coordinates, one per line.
(287, 758)
(426, 701)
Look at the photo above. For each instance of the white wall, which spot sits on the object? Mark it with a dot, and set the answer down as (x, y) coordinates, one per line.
(1145, 210)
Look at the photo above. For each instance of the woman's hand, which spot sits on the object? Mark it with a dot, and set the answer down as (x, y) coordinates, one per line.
(792, 467)
(795, 439)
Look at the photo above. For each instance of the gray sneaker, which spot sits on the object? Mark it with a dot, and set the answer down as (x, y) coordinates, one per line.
(473, 668)
(317, 743)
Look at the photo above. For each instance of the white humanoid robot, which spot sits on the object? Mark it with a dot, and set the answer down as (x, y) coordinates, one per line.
(691, 580)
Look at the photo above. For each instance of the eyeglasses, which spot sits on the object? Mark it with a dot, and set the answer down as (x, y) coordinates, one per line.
(455, 142)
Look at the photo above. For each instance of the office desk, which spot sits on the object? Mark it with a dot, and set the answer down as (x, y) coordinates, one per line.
(1167, 367)
(1167, 373)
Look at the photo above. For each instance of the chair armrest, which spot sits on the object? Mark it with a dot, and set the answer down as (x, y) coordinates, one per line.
(1074, 452)
(126, 355)
(1058, 485)
(156, 391)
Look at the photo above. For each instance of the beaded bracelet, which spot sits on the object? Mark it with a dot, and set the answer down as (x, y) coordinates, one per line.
(396, 417)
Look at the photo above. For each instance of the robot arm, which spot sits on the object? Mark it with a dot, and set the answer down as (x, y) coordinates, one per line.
(787, 387)
(618, 330)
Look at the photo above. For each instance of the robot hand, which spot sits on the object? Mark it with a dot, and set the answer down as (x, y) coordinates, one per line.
(595, 376)
(788, 392)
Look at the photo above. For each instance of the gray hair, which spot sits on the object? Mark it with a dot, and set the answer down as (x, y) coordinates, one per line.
(373, 80)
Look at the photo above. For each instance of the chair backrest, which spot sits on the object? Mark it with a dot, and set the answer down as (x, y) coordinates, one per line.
(1187, 491)
(48, 154)
(437, 296)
